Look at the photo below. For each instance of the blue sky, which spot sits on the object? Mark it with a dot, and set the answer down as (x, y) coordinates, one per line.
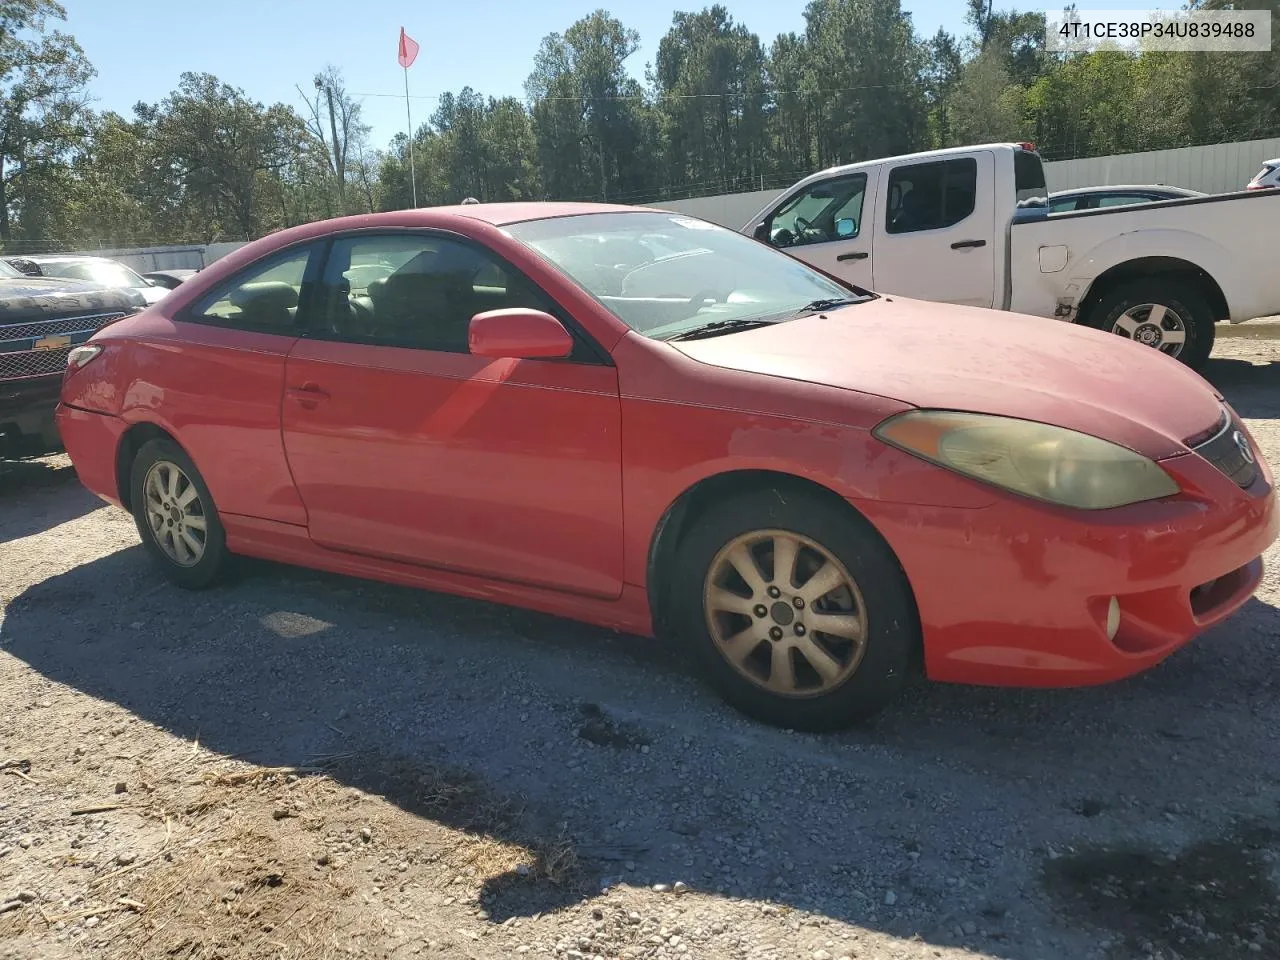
(268, 47)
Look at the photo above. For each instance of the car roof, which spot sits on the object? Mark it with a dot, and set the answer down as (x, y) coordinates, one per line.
(1127, 188)
(502, 214)
(61, 258)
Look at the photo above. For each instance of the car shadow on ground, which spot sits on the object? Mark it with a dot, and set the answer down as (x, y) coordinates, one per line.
(36, 495)
(1252, 388)
(604, 736)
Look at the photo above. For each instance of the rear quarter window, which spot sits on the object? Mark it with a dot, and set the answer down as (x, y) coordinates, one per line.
(1028, 176)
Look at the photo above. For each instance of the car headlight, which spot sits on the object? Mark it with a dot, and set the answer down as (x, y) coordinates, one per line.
(1037, 460)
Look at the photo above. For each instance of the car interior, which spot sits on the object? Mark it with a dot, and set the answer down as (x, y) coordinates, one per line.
(427, 301)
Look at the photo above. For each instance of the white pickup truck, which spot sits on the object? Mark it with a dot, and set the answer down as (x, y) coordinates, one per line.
(965, 226)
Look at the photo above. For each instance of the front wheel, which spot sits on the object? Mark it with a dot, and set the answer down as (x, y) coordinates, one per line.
(798, 612)
(176, 517)
(1166, 315)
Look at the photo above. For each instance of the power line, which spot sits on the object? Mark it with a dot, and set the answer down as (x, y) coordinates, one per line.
(763, 93)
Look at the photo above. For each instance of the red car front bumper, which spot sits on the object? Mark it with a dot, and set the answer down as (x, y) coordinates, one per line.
(1017, 593)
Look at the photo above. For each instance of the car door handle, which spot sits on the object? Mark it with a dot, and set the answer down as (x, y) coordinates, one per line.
(961, 244)
(309, 394)
(860, 255)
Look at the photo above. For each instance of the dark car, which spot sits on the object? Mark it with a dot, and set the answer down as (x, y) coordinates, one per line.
(41, 319)
(1091, 198)
(99, 271)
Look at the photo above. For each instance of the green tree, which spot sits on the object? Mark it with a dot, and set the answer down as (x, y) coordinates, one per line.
(984, 106)
(864, 65)
(710, 83)
(43, 116)
(594, 130)
(225, 156)
(793, 114)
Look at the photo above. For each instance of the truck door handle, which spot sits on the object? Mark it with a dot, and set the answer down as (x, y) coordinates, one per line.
(308, 395)
(861, 255)
(961, 244)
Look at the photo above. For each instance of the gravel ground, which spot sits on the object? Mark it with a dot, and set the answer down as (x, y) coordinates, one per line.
(298, 765)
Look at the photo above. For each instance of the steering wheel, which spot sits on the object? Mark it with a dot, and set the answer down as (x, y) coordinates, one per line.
(803, 225)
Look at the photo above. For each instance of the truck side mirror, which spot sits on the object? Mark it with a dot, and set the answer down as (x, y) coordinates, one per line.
(845, 228)
(761, 232)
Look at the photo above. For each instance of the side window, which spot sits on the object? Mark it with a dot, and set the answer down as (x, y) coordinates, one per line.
(263, 298)
(414, 290)
(825, 211)
(1121, 199)
(930, 196)
(1059, 206)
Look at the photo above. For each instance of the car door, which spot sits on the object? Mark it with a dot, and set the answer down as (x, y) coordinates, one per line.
(937, 234)
(404, 446)
(222, 377)
(822, 224)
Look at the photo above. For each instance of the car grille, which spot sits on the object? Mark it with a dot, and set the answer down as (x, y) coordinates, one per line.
(23, 355)
(1230, 451)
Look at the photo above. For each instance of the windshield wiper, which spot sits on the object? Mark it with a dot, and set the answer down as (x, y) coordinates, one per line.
(818, 306)
(717, 327)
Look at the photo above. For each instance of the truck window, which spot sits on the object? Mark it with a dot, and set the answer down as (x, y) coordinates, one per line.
(929, 196)
(1028, 176)
(822, 212)
(1122, 199)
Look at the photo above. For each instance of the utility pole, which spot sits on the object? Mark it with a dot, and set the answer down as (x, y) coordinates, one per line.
(339, 152)
(324, 85)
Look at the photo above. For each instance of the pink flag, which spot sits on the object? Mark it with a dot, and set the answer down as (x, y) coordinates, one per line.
(408, 50)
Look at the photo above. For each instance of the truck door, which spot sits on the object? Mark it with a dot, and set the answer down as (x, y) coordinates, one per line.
(935, 239)
(828, 223)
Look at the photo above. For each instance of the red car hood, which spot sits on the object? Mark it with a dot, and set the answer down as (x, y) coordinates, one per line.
(985, 361)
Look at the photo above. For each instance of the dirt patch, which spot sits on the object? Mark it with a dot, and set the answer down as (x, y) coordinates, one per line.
(1214, 900)
(283, 863)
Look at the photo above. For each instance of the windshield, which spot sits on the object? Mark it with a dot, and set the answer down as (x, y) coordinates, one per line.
(106, 272)
(663, 274)
(8, 271)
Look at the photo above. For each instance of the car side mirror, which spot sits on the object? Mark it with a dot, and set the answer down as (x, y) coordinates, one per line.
(845, 228)
(518, 333)
(761, 232)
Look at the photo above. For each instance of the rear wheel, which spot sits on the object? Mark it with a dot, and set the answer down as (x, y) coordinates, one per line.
(1167, 315)
(176, 517)
(798, 612)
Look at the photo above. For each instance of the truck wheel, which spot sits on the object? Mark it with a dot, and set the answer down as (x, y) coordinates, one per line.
(1167, 315)
(799, 615)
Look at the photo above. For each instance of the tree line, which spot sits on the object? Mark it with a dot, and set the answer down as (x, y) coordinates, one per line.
(719, 111)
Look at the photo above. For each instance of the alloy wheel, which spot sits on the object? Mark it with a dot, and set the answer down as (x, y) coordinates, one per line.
(1153, 325)
(785, 613)
(175, 513)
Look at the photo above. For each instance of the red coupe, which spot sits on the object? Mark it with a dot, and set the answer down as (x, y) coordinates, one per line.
(650, 423)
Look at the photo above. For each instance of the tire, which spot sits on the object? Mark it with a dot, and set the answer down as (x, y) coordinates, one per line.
(1183, 304)
(159, 522)
(877, 596)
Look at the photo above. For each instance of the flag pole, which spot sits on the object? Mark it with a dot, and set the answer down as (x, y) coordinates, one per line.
(413, 176)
